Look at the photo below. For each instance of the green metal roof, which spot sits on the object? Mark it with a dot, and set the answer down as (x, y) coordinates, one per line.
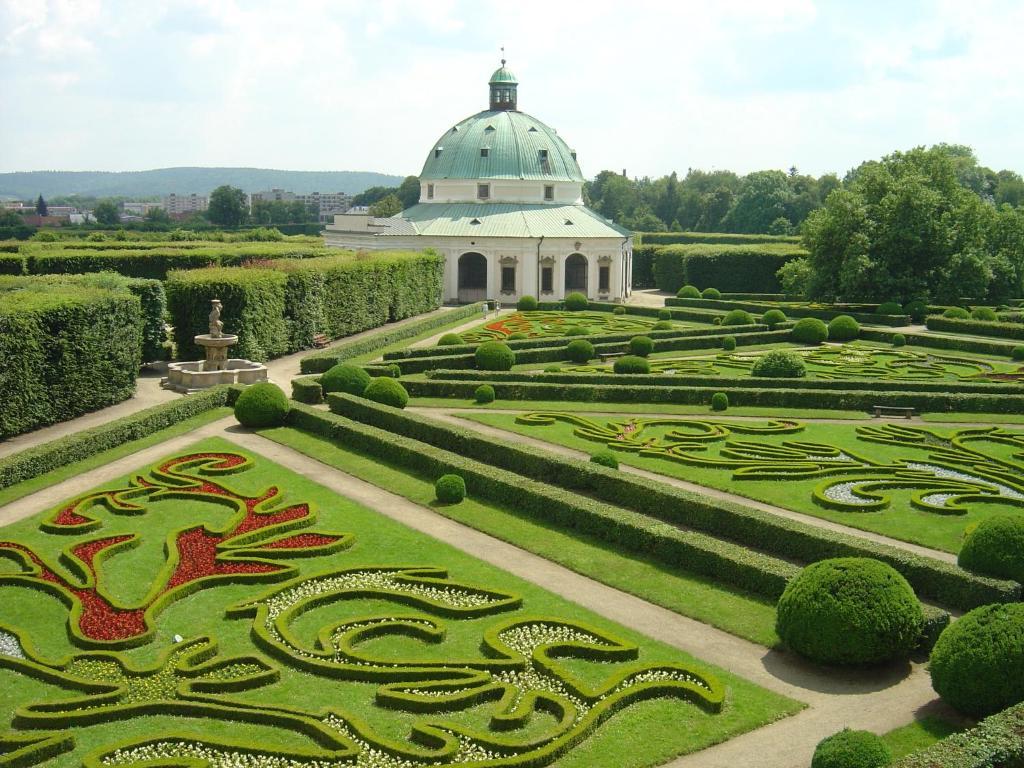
(502, 220)
(519, 147)
(503, 75)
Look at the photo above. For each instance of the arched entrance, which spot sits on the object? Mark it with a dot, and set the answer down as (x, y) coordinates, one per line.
(472, 277)
(576, 273)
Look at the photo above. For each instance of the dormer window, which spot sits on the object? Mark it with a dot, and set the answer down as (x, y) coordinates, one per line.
(483, 191)
(549, 191)
(475, 222)
(568, 222)
(437, 152)
(430, 191)
(485, 151)
(489, 128)
(533, 129)
(543, 155)
(573, 153)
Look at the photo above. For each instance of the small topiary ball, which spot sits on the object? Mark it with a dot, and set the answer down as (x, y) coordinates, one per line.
(995, 548)
(450, 489)
(849, 610)
(631, 364)
(957, 313)
(619, 311)
(1017, 353)
(494, 356)
(688, 292)
(662, 325)
(889, 308)
(711, 293)
(851, 749)
(553, 369)
(641, 346)
(606, 459)
(576, 302)
(719, 401)
(843, 328)
(262, 405)
(917, 310)
(977, 663)
(773, 317)
(810, 330)
(517, 336)
(737, 317)
(484, 394)
(717, 320)
(579, 351)
(394, 370)
(577, 330)
(729, 343)
(527, 304)
(899, 340)
(779, 364)
(985, 314)
(450, 340)
(664, 314)
(345, 377)
(387, 391)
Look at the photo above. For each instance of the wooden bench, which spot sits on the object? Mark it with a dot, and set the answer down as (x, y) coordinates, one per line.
(605, 356)
(891, 410)
(320, 340)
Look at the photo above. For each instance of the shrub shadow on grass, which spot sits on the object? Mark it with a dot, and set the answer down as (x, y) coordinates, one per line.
(840, 681)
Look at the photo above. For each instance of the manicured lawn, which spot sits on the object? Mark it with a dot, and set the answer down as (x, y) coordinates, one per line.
(546, 324)
(315, 614)
(834, 453)
(920, 734)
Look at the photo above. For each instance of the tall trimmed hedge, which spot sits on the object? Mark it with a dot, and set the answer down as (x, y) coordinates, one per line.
(64, 352)
(975, 327)
(713, 238)
(748, 268)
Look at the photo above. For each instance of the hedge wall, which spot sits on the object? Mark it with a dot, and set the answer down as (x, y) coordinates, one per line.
(975, 327)
(64, 353)
(758, 530)
(749, 268)
(643, 265)
(791, 310)
(714, 238)
(953, 343)
(998, 740)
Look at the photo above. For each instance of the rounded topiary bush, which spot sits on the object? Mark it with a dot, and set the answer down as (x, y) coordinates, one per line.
(719, 401)
(1017, 353)
(517, 336)
(577, 330)
(957, 313)
(773, 317)
(779, 364)
(662, 325)
(387, 391)
(851, 749)
(494, 356)
(729, 343)
(641, 346)
(450, 340)
(527, 304)
(394, 370)
(917, 310)
(688, 292)
(716, 320)
(631, 364)
(737, 317)
(995, 548)
(450, 489)
(843, 328)
(553, 369)
(711, 293)
(484, 394)
(619, 311)
(899, 340)
(849, 610)
(889, 308)
(606, 459)
(664, 314)
(262, 405)
(985, 314)
(576, 302)
(810, 330)
(977, 663)
(579, 351)
(345, 377)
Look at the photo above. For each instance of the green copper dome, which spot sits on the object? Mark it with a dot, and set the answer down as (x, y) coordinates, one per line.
(503, 75)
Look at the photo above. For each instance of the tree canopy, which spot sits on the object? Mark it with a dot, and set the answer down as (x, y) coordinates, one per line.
(228, 206)
(386, 206)
(106, 213)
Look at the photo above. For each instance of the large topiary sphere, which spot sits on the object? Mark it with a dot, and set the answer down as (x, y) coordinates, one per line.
(899, 340)
(711, 293)
(729, 343)
(345, 377)
(606, 459)
(843, 328)
(484, 394)
(664, 314)
(773, 317)
(527, 304)
(494, 356)
(576, 302)
(450, 489)
(985, 314)
(779, 364)
(917, 310)
(996, 548)
(662, 325)
(577, 330)
(809, 330)
(849, 610)
(688, 292)
(957, 313)
(719, 401)
(517, 336)
(641, 346)
(619, 311)
(450, 340)
(889, 308)
(579, 351)
(262, 405)
(631, 364)
(977, 663)
(387, 391)
(738, 317)
(851, 749)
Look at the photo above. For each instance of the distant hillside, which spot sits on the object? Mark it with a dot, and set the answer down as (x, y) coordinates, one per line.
(161, 181)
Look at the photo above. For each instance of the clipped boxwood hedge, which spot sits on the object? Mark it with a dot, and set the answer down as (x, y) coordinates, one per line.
(975, 327)
(997, 740)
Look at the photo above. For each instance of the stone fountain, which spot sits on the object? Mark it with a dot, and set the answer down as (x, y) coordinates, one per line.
(217, 368)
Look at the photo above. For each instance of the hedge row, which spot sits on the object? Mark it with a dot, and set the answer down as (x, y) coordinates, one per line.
(714, 238)
(952, 343)
(643, 266)
(761, 531)
(975, 327)
(835, 399)
(792, 310)
(725, 267)
(321, 361)
(997, 740)
(64, 353)
(280, 307)
(690, 551)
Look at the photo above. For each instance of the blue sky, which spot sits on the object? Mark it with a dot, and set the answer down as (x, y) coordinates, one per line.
(646, 86)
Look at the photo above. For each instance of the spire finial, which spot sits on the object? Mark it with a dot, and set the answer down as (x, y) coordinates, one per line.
(503, 55)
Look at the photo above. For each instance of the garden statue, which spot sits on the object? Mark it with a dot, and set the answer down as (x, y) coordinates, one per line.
(216, 326)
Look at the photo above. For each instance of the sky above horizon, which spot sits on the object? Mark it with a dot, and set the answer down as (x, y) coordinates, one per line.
(650, 87)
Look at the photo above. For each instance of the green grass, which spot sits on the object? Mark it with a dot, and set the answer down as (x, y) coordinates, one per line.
(900, 520)
(24, 488)
(747, 616)
(669, 726)
(919, 734)
(975, 418)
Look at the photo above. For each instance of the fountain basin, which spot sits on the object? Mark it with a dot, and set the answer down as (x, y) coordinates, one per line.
(224, 340)
(191, 376)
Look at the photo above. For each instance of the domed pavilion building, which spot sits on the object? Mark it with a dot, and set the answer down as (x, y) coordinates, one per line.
(501, 197)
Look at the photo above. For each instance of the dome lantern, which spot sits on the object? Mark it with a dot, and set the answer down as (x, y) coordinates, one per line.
(503, 89)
